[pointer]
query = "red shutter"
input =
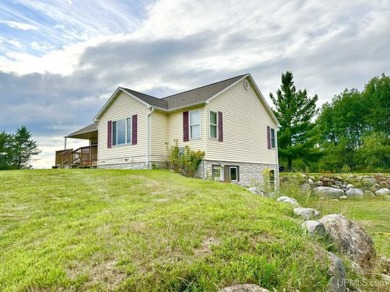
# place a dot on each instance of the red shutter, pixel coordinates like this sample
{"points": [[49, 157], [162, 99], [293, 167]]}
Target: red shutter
{"points": [[134, 129], [220, 127], [185, 127], [269, 137], [109, 134]]}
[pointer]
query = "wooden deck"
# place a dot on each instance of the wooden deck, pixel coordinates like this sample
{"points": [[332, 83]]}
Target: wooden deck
{"points": [[83, 157]]}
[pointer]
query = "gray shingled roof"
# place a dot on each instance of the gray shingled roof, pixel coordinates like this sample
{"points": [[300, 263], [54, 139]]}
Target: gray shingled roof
{"points": [[188, 98], [154, 101], [198, 95], [86, 131]]}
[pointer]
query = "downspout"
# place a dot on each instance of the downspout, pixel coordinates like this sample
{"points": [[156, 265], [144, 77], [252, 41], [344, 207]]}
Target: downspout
{"points": [[64, 143], [149, 135], [277, 159]]}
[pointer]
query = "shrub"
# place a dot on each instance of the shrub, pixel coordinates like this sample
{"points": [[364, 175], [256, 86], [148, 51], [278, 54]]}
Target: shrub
{"points": [[184, 160]]}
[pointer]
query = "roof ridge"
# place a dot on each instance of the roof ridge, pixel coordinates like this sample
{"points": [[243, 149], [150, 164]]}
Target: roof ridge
{"points": [[203, 86], [132, 90]]}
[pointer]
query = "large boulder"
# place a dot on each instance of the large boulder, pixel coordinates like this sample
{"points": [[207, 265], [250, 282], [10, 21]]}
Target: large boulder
{"points": [[368, 181], [328, 192], [285, 199], [243, 288], [383, 191], [306, 213], [350, 239], [355, 192], [337, 282], [314, 228]]}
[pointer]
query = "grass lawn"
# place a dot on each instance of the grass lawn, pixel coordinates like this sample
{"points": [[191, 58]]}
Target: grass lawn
{"points": [[147, 231]]}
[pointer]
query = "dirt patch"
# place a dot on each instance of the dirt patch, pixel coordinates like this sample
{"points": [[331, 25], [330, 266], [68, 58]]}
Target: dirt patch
{"points": [[205, 248]]}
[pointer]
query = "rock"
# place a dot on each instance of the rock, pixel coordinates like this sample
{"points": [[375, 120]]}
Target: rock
{"points": [[285, 199], [383, 191], [306, 213], [350, 239], [336, 186], [349, 186], [327, 181], [369, 194], [368, 181], [375, 187], [328, 192], [310, 181], [254, 190], [384, 184], [343, 198], [354, 192], [338, 182], [337, 282], [314, 228], [243, 288], [319, 183], [306, 187]]}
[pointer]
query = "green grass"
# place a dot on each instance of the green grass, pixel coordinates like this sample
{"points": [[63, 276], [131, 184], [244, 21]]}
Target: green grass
{"points": [[147, 231]]}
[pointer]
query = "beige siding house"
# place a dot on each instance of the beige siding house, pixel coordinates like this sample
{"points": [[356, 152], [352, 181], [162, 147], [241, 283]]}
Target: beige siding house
{"points": [[229, 120]]}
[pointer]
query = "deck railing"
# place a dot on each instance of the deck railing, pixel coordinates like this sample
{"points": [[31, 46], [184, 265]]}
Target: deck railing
{"points": [[81, 157]]}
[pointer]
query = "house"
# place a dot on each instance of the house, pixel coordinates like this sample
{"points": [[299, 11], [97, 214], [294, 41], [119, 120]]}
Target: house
{"points": [[229, 120]]}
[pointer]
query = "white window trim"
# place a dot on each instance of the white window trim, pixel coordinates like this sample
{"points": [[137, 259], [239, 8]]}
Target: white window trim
{"points": [[236, 180], [128, 131], [216, 125], [200, 124]]}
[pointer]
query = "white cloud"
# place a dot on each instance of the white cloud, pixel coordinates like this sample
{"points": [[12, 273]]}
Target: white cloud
{"points": [[19, 25]]}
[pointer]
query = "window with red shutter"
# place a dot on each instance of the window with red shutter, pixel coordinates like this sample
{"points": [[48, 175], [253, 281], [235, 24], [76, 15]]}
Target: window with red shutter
{"points": [[220, 126], [269, 137], [134, 130], [185, 127], [109, 134]]}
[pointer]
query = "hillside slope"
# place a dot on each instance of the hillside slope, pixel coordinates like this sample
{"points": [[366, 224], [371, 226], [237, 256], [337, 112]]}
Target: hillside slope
{"points": [[147, 231]]}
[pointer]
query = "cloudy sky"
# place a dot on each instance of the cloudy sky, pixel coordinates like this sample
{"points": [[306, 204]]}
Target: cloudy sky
{"points": [[61, 60]]}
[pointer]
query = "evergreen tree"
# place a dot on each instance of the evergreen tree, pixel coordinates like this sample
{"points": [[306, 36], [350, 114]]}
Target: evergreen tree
{"points": [[23, 148], [5, 150], [294, 111]]}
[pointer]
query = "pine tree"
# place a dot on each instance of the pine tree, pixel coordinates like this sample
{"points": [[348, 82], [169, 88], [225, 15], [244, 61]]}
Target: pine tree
{"points": [[294, 111], [23, 148]]}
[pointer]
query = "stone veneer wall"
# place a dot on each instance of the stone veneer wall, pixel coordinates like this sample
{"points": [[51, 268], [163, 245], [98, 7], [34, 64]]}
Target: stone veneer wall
{"points": [[247, 171], [134, 165]]}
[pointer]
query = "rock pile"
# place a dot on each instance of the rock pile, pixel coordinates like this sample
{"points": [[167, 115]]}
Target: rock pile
{"points": [[352, 186], [347, 236]]}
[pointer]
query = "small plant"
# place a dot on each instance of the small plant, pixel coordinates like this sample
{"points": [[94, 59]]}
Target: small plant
{"points": [[185, 161], [265, 185], [346, 168]]}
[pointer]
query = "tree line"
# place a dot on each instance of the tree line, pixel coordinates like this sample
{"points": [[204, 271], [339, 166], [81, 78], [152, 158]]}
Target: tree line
{"points": [[17, 150], [350, 133]]}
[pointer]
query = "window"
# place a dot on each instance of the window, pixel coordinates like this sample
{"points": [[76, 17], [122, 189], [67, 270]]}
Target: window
{"points": [[121, 132], [216, 125], [195, 124], [272, 138], [213, 125], [233, 173]]}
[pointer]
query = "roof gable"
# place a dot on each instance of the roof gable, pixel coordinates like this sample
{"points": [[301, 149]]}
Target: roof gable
{"points": [[199, 95]]}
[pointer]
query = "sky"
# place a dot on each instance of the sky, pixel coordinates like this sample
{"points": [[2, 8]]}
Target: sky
{"points": [[60, 61]]}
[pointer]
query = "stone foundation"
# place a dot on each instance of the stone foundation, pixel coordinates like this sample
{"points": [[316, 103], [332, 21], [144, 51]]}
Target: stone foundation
{"points": [[248, 172]]}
